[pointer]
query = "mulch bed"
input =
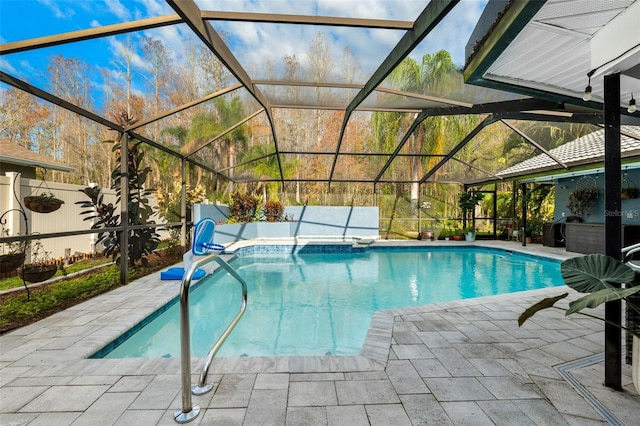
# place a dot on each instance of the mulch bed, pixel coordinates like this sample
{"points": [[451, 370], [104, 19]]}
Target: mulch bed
{"points": [[156, 263]]}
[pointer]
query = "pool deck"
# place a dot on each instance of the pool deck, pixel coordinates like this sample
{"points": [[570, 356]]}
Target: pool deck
{"points": [[454, 363]]}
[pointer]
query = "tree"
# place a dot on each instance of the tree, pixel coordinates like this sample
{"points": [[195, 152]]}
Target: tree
{"points": [[230, 113], [71, 80], [24, 119], [158, 62], [141, 241], [435, 75]]}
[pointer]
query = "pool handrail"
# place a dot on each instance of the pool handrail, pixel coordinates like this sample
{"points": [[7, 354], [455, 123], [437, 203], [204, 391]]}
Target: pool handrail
{"points": [[189, 411], [202, 387], [627, 254]]}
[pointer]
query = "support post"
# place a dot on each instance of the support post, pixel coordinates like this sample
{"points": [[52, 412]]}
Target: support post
{"points": [[124, 209], [183, 205], [523, 230], [465, 188], [419, 215], [495, 210], [612, 226]]}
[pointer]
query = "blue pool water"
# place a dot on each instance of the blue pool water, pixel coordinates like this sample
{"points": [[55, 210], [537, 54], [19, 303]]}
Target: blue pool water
{"points": [[313, 303]]}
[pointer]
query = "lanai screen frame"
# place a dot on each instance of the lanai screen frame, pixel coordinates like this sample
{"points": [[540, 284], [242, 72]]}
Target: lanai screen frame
{"points": [[187, 12]]}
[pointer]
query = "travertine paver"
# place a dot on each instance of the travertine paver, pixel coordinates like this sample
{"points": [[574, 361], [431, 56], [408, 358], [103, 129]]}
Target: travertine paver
{"points": [[272, 381], [505, 413], [466, 413], [306, 416], [349, 415], [139, 418], [387, 414], [312, 394], [13, 399], [233, 391], [64, 398], [458, 389], [366, 392], [158, 394], [224, 416], [267, 406], [107, 409], [405, 378], [455, 363]]}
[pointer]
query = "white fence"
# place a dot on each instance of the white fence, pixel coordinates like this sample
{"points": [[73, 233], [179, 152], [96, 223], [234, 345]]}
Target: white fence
{"points": [[65, 219]]}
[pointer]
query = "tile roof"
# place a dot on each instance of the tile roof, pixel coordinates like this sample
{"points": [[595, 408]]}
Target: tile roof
{"points": [[15, 154], [588, 149]]}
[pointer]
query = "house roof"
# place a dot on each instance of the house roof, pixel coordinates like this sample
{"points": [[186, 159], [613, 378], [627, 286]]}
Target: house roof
{"points": [[587, 150], [12, 153]]}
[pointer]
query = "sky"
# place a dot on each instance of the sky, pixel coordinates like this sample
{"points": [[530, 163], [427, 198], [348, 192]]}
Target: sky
{"points": [[250, 42]]}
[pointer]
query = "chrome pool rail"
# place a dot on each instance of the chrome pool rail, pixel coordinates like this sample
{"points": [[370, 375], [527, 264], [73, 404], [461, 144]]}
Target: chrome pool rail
{"points": [[189, 412], [627, 253]]}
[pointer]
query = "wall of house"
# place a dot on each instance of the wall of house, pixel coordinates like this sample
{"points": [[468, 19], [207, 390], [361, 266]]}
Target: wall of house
{"points": [[630, 211]]}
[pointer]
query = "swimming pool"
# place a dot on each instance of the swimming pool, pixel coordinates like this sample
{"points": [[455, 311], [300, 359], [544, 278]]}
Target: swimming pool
{"points": [[319, 300]]}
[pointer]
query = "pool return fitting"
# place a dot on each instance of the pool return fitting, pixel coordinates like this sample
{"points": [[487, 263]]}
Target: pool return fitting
{"points": [[203, 251]]}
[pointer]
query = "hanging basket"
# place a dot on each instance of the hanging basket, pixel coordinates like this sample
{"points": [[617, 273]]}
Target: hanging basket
{"points": [[44, 201], [11, 262], [42, 204], [38, 273], [629, 189]]}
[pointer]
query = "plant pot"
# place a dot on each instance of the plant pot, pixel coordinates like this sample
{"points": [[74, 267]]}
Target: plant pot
{"points": [[38, 273], [11, 262], [528, 240], [629, 193], [470, 236], [457, 238], [635, 363], [426, 235], [42, 204]]}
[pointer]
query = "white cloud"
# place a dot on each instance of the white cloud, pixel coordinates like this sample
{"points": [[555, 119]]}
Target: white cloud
{"points": [[156, 7], [118, 9], [6, 66], [122, 53], [253, 42], [59, 10]]}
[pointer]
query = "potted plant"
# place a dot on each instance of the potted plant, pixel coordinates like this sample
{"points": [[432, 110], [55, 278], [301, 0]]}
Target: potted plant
{"points": [[467, 201], [470, 233], [456, 235], [13, 254], [594, 275], [629, 189], [244, 208], [273, 211], [629, 193], [533, 231], [40, 268], [427, 235], [12, 259], [45, 202], [581, 200]]}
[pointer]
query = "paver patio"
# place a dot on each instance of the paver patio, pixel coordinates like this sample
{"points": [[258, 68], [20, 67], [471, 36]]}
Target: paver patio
{"points": [[463, 362]]}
